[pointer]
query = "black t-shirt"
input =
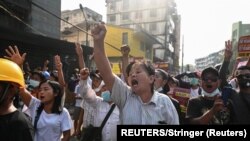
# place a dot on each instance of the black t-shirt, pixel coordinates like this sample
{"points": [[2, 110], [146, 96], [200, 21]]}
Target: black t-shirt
{"points": [[16, 127], [199, 105], [240, 107]]}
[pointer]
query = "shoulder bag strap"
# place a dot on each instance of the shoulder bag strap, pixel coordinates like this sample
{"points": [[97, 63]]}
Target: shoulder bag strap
{"points": [[38, 113], [107, 116]]}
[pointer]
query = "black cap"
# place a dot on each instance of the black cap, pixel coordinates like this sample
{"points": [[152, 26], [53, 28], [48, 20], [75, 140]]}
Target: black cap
{"points": [[209, 70], [95, 75]]}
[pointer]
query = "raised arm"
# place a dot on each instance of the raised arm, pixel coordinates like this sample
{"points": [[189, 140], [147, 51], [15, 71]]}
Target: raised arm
{"points": [[58, 65], [14, 55], [224, 67], [125, 60], [100, 57], [79, 53]]}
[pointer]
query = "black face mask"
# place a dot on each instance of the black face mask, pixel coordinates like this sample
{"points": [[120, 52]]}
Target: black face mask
{"points": [[244, 81]]}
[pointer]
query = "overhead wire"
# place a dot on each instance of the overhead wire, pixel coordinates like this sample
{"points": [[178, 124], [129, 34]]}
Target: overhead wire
{"points": [[69, 23], [43, 9]]}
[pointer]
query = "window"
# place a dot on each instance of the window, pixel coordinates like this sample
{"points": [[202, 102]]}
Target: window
{"points": [[125, 38], [125, 16], [153, 13], [112, 18]]}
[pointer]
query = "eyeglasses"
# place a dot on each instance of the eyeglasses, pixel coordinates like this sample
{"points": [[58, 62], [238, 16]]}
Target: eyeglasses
{"points": [[211, 79]]}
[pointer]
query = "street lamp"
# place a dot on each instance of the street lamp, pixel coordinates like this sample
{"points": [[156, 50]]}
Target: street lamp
{"points": [[86, 23]]}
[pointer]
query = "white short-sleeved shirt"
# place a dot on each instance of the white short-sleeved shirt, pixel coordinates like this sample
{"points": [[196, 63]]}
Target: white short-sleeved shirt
{"points": [[160, 109], [49, 126], [77, 93]]}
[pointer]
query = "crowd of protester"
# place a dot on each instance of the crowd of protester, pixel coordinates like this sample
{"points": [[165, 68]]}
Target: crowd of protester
{"points": [[32, 102]]}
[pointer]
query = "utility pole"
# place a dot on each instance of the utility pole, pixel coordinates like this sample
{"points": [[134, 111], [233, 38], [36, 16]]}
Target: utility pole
{"points": [[86, 21], [182, 58]]}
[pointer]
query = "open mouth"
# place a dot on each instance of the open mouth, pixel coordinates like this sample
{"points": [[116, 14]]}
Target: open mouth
{"points": [[209, 86], [134, 82], [41, 97]]}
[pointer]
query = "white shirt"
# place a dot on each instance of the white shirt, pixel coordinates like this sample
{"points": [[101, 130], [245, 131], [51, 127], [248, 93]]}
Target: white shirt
{"points": [[88, 116], [134, 111], [101, 109], [194, 92], [49, 126], [77, 94]]}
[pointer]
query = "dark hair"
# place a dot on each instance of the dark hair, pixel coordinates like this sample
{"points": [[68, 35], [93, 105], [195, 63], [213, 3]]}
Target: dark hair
{"points": [[95, 74], [209, 70], [128, 69], [165, 77], [163, 74], [244, 68], [39, 73], [57, 106]]}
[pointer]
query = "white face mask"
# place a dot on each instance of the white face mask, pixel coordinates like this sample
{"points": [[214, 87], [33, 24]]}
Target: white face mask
{"points": [[34, 83], [212, 94]]}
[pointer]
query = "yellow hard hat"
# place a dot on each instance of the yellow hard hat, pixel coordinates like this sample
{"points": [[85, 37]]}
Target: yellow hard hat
{"points": [[11, 72]]}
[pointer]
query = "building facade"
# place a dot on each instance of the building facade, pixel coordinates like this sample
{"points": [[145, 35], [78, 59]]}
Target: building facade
{"points": [[157, 18], [238, 30], [84, 18], [28, 16], [209, 61]]}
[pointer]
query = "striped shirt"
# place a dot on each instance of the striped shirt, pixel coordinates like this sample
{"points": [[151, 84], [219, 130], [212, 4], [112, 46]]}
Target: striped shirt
{"points": [[158, 110]]}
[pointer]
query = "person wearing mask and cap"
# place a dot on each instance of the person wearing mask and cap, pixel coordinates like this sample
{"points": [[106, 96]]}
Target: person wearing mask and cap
{"points": [[207, 108]]}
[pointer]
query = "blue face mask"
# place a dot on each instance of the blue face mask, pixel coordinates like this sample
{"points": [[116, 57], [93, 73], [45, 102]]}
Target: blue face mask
{"points": [[194, 81], [106, 96]]}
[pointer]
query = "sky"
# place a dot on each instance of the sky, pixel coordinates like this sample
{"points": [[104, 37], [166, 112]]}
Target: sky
{"points": [[205, 24]]}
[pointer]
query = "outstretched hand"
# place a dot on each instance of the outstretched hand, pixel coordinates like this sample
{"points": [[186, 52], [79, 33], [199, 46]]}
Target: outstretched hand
{"points": [[14, 55], [228, 50], [78, 49], [58, 63]]}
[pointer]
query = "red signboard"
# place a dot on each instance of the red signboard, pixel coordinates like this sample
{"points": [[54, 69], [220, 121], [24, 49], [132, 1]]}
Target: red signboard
{"points": [[244, 46], [182, 95]]}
